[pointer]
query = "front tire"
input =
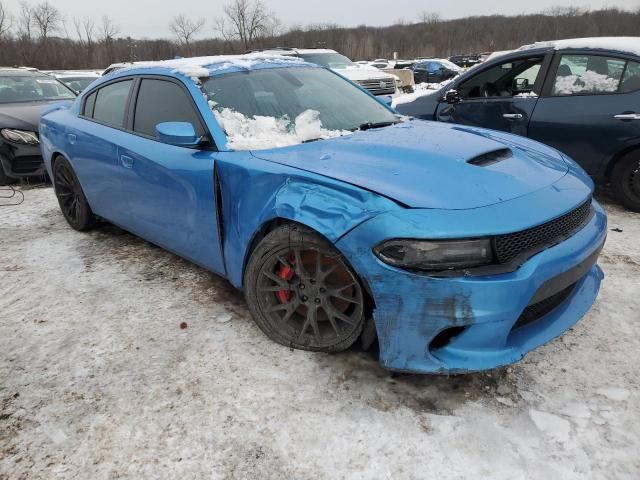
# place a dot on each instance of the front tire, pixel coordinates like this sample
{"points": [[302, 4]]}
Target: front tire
{"points": [[302, 292], [4, 178], [625, 180], [73, 203]]}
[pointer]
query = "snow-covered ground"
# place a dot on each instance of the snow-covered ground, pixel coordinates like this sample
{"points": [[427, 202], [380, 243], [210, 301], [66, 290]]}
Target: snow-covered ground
{"points": [[420, 90], [98, 380]]}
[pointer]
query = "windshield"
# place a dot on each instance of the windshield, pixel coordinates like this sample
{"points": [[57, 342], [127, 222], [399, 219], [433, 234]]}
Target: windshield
{"points": [[78, 84], [283, 106], [329, 60], [32, 88]]}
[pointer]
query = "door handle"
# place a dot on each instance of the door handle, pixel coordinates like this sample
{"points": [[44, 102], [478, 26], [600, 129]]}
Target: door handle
{"points": [[512, 116], [627, 116], [71, 138], [127, 162]]}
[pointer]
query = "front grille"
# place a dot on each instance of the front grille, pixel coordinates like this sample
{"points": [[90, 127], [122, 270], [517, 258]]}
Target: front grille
{"points": [[543, 307], [509, 246], [379, 87], [27, 164]]}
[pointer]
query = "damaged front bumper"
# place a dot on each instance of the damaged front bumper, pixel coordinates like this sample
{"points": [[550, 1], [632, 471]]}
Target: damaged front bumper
{"points": [[458, 324]]}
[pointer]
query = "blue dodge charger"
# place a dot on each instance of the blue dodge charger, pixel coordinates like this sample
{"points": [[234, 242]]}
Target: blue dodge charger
{"points": [[456, 248]]}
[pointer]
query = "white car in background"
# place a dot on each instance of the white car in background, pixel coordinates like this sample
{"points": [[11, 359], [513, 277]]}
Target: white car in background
{"points": [[76, 80], [370, 78]]}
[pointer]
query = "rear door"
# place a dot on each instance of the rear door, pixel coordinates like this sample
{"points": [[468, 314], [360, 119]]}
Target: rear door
{"points": [[169, 189], [590, 108], [500, 97], [93, 140]]}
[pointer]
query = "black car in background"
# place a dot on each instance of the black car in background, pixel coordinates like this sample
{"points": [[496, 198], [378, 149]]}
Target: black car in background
{"points": [[23, 94], [580, 96], [465, 61], [434, 71]]}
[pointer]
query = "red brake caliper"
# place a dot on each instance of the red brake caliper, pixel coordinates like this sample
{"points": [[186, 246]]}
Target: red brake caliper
{"points": [[286, 273]]}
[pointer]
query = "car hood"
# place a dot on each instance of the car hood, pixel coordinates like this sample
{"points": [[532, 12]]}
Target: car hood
{"points": [[425, 164], [356, 73], [23, 116]]}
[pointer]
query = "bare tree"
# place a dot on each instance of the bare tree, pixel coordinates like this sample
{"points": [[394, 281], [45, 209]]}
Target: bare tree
{"points": [[85, 29], [429, 17], [245, 21], [47, 19], [185, 29], [5, 21], [108, 29], [25, 20]]}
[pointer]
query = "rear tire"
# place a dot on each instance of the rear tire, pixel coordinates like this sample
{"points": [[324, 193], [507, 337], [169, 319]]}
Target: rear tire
{"points": [[625, 180], [71, 199], [302, 292]]}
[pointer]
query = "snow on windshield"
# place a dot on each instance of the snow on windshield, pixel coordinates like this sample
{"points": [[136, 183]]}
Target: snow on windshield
{"points": [[259, 133]]}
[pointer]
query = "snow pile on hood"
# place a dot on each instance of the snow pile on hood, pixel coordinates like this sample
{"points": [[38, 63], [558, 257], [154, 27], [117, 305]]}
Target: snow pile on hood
{"points": [[202, 67], [420, 90], [621, 44], [259, 133], [589, 81]]}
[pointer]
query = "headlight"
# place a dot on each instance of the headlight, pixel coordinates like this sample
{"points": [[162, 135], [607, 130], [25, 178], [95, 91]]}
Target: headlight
{"points": [[23, 137], [436, 255]]}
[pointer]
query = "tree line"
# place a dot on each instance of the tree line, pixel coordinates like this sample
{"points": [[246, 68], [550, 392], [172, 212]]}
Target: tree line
{"points": [[42, 36]]}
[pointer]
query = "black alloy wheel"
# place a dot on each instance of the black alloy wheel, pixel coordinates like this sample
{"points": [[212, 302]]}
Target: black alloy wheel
{"points": [[302, 292], [70, 196], [625, 181]]}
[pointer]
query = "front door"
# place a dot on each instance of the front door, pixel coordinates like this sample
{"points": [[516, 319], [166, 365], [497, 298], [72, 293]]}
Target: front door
{"points": [[170, 189], [501, 97]]}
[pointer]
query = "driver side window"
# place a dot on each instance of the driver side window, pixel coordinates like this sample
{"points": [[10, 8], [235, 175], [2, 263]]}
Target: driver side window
{"points": [[507, 79]]}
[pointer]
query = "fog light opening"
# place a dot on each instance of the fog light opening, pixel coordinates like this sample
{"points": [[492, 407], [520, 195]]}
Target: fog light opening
{"points": [[445, 337]]}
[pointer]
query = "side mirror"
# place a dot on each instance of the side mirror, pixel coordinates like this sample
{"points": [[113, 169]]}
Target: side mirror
{"points": [[181, 134], [386, 100], [520, 84], [452, 97]]}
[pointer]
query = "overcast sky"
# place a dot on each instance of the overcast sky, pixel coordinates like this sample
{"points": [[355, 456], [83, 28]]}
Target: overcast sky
{"points": [[150, 18]]}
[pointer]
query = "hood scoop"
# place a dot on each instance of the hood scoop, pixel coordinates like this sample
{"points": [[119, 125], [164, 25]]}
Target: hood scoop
{"points": [[490, 158]]}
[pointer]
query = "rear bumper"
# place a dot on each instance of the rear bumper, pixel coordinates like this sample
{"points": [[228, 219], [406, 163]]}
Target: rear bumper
{"points": [[463, 324], [21, 160]]}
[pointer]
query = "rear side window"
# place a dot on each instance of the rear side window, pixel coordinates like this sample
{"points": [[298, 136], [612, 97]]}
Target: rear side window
{"points": [[588, 75], [89, 104], [631, 78], [111, 103], [163, 101]]}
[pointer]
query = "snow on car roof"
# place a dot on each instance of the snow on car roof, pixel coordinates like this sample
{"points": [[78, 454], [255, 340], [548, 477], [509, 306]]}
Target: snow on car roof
{"points": [[295, 51], [619, 44], [199, 67]]}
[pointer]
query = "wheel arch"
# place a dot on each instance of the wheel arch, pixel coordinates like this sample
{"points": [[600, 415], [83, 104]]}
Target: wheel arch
{"points": [[257, 197], [54, 156], [617, 157], [369, 333]]}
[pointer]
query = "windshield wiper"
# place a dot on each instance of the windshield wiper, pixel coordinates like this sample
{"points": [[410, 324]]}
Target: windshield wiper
{"points": [[370, 125]]}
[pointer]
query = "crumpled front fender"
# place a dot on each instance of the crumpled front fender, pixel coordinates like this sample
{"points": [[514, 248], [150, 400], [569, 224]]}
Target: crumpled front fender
{"points": [[254, 192]]}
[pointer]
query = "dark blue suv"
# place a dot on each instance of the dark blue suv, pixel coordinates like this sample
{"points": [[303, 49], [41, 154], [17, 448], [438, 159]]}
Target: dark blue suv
{"points": [[580, 96], [435, 71]]}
